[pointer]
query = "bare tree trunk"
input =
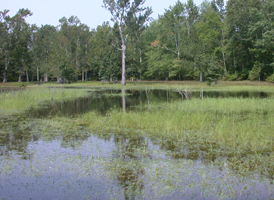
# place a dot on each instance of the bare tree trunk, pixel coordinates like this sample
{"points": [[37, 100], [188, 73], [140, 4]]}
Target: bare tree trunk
{"points": [[20, 75], [5, 72], [123, 58], [27, 76], [123, 64], [37, 71], [86, 75], [46, 76], [141, 64], [225, 70], [83, 76], [201, 74], [20, 78], [5, 77]]}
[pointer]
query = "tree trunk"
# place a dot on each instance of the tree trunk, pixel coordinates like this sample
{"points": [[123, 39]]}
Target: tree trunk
{"points": [[37, 71], [201, 75], [5, 77], [5, 72], [59, 80], [83, 75], [123, 64], [141, 64], [20, 75], [86, 75], [225, 70], [20, 78], [123, 58], [46, 76], [27, 76]]}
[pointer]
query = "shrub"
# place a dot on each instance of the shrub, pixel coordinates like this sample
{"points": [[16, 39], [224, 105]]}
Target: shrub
{"points": [[254, 74], [270, 79], [231, 77]]}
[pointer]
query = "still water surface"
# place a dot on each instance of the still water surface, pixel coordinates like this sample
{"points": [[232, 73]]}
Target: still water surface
{"points": [[90, 165], [102, 101]]}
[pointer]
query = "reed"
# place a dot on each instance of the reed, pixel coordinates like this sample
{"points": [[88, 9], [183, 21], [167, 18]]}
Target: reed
{"points": [[237, 129], [20, 100]]}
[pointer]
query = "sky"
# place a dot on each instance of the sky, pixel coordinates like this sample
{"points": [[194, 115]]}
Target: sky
{"points": [[90, 12]]}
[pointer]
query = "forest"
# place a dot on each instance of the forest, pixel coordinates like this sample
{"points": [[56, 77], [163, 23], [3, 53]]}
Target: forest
{"points": [[207, 42]]}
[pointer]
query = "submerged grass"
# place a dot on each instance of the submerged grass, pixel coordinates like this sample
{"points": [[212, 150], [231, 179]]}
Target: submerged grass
{"points": [[240, 130], [155, 150]]}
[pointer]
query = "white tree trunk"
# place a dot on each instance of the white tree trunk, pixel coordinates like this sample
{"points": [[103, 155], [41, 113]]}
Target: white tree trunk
{"points": [[123, 57], [123, 64]]}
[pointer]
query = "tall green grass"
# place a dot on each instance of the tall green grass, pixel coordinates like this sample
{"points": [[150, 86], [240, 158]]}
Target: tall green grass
{"points": [[229, 121], [191, 85], [238, 129], [22, 99]]}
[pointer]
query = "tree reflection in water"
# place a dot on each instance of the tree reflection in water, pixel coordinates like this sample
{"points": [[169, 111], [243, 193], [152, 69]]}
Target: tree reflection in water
{"points": [[126, 163]]}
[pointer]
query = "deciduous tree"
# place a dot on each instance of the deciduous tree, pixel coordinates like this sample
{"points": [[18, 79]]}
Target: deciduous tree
{"points": [[123, 12]]}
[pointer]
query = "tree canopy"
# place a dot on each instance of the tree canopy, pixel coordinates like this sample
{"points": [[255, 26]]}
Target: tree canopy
{"points": [[209, 42]]}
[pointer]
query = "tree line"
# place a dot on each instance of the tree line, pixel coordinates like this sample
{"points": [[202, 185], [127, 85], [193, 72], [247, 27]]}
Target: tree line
{"points": [[209, 42]]}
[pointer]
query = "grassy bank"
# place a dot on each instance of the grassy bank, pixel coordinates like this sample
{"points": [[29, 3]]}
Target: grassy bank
{"points": [[19, 100], [194, 85]]}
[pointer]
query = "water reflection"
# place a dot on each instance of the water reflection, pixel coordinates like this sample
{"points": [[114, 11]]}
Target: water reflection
{"points": [[124, 100], [103, 101], [127, 165], [14, 136], [119, 165], [123, 166]]}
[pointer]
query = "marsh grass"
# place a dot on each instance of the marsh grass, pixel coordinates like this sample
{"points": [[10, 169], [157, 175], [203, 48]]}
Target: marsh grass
{"points": [[234, 135], [240, 130], [195, 85], [20, 100]]}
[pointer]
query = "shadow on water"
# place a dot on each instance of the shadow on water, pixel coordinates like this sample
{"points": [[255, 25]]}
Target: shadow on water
{"points": [[103, 101]]}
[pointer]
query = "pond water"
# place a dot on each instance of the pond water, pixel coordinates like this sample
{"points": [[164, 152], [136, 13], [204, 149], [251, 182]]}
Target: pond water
{"points": [[87, 165], [102, 101]]}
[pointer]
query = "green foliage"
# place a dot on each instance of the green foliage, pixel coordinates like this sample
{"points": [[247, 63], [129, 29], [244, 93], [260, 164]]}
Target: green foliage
{"points": [[254, 74], [231, 77], [180, 44], [214, 72], [270, 79], [158, 64], [18, 101]]}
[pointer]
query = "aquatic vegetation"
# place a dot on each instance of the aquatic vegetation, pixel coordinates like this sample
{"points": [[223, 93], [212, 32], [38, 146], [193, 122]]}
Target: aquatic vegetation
{"points": [[231, 128], [217, 147], [25, 98]]}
